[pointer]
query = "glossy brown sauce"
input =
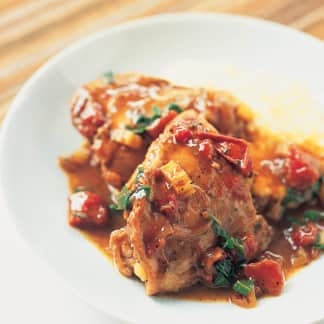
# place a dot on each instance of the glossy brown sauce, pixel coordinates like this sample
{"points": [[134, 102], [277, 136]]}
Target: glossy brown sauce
{"points": [[90, 178]]}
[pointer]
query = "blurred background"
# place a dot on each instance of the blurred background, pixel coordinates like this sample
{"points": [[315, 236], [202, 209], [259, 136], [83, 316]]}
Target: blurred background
{"points": [[34, 30]]}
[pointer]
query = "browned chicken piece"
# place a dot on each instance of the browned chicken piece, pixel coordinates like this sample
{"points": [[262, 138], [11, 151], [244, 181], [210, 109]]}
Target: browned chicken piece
{"points": [[120, 118], [193, 185]]}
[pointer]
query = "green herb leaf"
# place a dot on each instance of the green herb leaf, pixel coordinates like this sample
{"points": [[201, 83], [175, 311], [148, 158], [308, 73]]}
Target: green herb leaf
{"points": [[141, 192], [225, 267], [157, 113], [143, 122], [299, 197], [315, 188], [79, 189], [123, 198], [293, 196], [219, 231], [229, 242], [221, 281], [109, 76], [123, 202], [313, 215], [140, 173], [80, 215], [224, 274], [113, 207], [126, 197], [137, 130], [243, 287], [175, 107], [226, 270], [318, 244]]}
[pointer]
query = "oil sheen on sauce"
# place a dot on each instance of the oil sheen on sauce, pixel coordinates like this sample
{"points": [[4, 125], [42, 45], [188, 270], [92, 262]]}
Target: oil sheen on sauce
{"points": [[89, 178]]}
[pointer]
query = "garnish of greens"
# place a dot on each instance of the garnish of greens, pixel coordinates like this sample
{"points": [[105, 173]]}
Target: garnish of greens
{"points": [[143, 122], [227, 270], [309, 216], [225, 274], [299, 197], [318, 244], [80, 215], [109, 77], [140, 173], [126, 197], [79, 189], [243, 287], [123, 200], [175, 107], [228, 242], [312, 216]]}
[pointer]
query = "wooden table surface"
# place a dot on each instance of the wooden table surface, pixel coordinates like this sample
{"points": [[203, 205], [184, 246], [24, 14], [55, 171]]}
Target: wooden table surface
{"points": [[32, 31]]}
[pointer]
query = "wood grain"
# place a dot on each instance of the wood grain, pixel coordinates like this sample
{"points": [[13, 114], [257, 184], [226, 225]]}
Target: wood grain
{"points": [[34, 30]]}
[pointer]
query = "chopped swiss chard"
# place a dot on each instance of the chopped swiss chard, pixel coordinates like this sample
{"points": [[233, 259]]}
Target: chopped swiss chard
{"points": [[243, 287], [109, 77]]}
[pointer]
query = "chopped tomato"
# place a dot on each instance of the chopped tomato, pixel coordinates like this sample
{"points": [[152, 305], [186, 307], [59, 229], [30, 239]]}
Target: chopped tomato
{"points": [[182, 134], [206, 149], [267, 274], [250, 245], [158, 125], [300, 173], [92, 119], [305, 235], [87, 116], [87, 209], [233, 149]]}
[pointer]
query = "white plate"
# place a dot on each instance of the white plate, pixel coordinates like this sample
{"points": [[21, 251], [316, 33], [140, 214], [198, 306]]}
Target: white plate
{"points": [[37, 130]]}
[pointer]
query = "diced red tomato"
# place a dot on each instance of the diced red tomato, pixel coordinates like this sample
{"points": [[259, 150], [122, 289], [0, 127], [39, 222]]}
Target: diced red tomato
{"points": [[87, 209], [158, 125], [300, 173], [182, 134], [91, 118], [267, 274], [87, 116], [206, 149], [305, 235], [250, 245], [233, 149]]}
